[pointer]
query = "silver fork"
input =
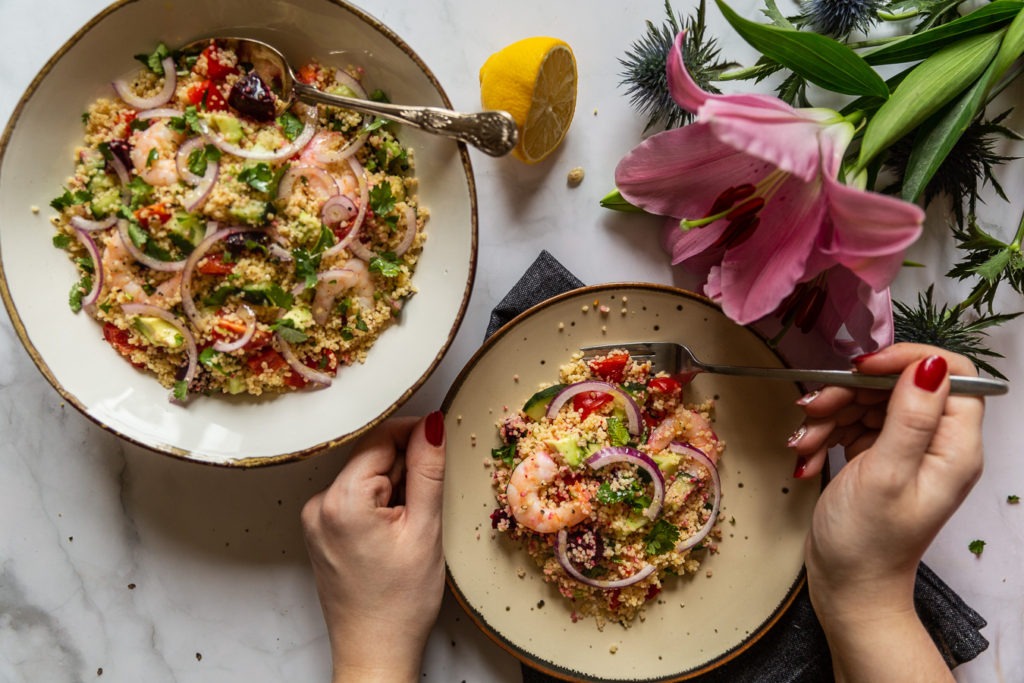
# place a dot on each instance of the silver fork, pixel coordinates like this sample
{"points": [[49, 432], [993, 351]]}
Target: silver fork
{"points": [[676, 358]]}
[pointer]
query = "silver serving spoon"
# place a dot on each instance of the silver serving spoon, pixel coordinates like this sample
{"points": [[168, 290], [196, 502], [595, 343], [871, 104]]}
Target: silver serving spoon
{"points": [[492, 132]]}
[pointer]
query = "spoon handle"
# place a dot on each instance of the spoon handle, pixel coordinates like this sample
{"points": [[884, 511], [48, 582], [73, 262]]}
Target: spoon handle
{"points": [[492, 132]]}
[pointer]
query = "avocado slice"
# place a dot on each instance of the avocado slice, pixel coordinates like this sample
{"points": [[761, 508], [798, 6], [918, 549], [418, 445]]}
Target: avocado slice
{"points": [[569, 449], [227, 125], [158, 332]]}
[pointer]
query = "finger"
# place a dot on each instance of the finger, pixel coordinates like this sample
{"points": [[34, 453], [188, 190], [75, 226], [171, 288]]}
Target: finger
{"points": [[424, 477], [915, 409], [366, 479], [893, 359], [861, 444]]}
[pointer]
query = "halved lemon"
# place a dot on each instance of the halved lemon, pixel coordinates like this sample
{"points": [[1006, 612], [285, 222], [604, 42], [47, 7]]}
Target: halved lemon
{"points": [[534, 80]]}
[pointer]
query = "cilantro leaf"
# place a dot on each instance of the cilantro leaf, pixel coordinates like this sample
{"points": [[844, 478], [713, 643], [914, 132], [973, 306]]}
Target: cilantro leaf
{"points": [[360, 325], [141, 192], [976, 546], [151, 157], [286, 328], [386, 264], [290, 124], [188, 121], [199, 159], [208, 357], [62, 241], [1013, 499], [617, 432], [662, 538], [379, 95], [609, 496], [78, 291]]}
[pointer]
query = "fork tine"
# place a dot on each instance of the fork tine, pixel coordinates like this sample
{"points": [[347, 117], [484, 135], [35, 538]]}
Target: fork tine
{"points": [[662, 355]]}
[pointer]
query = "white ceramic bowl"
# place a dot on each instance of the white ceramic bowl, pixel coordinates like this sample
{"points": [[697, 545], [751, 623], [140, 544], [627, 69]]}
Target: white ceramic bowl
{"points": [[35, 278]]}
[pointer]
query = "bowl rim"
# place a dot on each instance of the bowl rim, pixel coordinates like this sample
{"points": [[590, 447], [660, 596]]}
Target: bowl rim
{"points": [[480, 620], [293, 456]]}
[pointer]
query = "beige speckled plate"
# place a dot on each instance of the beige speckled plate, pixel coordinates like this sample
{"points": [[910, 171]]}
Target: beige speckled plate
{"points": [[36, 157], [697, 623]]}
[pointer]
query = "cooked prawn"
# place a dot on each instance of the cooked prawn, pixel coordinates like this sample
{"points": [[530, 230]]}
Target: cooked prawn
{"points": [[690, 426], [153, 153], [117, 264], [536, 472], [352, 276]]}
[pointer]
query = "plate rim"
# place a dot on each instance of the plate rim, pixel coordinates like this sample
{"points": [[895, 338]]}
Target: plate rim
{"points": [[291, 456], [528, 658]]}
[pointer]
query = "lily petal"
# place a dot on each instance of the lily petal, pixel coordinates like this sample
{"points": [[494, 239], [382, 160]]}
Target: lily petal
{"points": [[759, 273], [870, 232], [680, 172], [688, 94], [864, 313]]}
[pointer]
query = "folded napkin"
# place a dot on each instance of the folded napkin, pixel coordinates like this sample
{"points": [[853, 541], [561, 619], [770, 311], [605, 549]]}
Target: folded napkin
{"points": [[794, 650]]}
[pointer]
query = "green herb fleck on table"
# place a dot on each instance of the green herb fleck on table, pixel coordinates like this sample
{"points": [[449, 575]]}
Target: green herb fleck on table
{"points": [[1013, 499], [976, 546]]}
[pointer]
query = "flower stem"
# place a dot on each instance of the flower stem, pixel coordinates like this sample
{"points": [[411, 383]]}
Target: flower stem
{"points": [[889, 16], [743, 74], [873, 42]]}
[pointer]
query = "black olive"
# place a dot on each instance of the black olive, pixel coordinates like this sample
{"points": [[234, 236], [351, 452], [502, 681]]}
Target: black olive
{"points": [[251, 96], [122, 150], [239, 241]]}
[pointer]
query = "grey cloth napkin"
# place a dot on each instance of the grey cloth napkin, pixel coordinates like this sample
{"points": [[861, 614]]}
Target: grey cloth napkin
{"points": [[794, 650]]}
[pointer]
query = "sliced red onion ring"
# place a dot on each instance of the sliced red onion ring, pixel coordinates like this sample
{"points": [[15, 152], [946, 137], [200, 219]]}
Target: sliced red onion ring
{"points": [[612, 455], [716, 489], [410, 231], [279, 252], [159, 113], [190, 341], [187, 303], [196, 197], [124, 89], [337, 210], [86, 225], [249, 317], [143, 258], [122, 176], [89, 300], [621, 396], [309, 116], [312, 174], [331, 156], [346, 79], [562, 551], [364, 198], [306, 372]]}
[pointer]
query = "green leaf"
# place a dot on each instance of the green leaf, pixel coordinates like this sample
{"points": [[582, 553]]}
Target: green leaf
{"points": [[385, 264], [922, 45], [291, 125], [258, 177], [919, 95], [62, 241], [616, 202], [381, 200], [505, 453], [939, 134], [1011, 48], [306, 266], [661, 538], [70, 198], [820, 59], [286, 328], [617, 432], [1013, 499], [181, 390], [976, 546], [153, 60]]}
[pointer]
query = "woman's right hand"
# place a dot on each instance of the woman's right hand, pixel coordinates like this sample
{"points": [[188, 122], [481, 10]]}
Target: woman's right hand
{"points": [[913, 455]]}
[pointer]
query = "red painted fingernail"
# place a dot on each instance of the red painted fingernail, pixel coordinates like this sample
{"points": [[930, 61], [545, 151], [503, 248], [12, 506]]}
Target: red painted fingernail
{"points": [[930, 373], [857, 360], [434, 428], [801, 467]]}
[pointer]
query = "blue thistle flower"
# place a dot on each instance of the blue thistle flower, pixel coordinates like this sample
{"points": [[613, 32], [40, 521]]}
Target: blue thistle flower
{"points": [[838, 18]]}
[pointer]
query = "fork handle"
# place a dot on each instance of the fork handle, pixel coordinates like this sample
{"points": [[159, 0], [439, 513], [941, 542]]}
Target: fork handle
{"points": [[968, 386]]}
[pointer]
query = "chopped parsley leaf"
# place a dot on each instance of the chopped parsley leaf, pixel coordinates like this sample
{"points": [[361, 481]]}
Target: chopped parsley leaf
{"points": [[1013, 500], [151, 157], [661, 538], [62, 241], [259, 177], [379, 95], [306, 266], [79, 290], [286, 328], [381, 200], [386, 264], [505, 453], [85, 118], [976, 546], [153, 61], [141, 192], [290, 124], [70, 198], [200, 157], [376, 124], [617, 432], [208, 357], [181, 390]]}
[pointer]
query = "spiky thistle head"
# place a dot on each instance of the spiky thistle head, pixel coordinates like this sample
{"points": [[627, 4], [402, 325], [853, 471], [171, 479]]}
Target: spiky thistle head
{"points": [[644, 75], [967, 167], [948, 329], [839, 18]]}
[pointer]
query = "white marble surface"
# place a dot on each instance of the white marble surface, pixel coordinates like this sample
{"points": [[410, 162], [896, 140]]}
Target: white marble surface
{"points": [[117, 564]]}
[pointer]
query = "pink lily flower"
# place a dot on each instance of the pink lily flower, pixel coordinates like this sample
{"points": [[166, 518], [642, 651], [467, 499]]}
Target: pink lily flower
{"points": [[753, 194]]}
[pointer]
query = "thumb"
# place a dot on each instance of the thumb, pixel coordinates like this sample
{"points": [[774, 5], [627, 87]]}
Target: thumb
{"points": [[424, 461], [915, 409]]}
